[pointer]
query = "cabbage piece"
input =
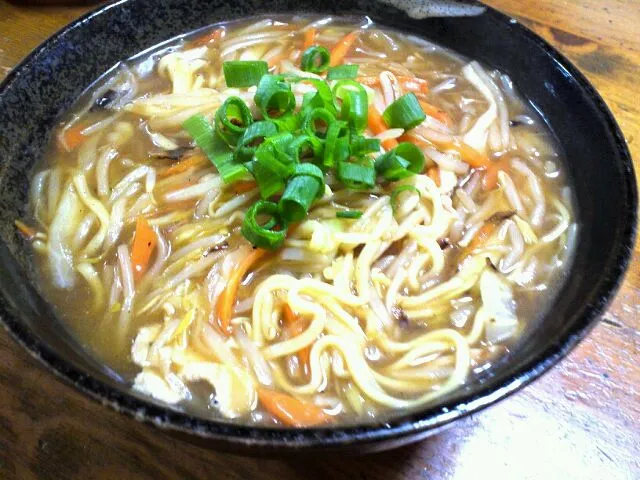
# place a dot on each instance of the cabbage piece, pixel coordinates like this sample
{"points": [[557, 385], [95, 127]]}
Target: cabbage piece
{"points": [[500, 307], [170, 390], [234, 390]]}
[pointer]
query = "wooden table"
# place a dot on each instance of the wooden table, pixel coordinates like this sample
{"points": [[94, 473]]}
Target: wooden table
{"points": [[581, 421]]}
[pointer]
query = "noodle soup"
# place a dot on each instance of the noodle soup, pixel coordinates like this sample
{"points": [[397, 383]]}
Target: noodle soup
{"points": [[300, 221]]}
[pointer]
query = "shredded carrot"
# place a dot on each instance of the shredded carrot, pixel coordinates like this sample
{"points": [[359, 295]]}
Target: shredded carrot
{"points": [[480, 238], [408, 84], [468, 154], [413, 84], [377, 126], [244, 186], [291, 411], [435, 112], [227, 299], [184, 165], [27, 232], [144, 242], [434, 174], [490, 180], [310, 35], [72, 137], [295, 326], [341, 48], [208, 38]]}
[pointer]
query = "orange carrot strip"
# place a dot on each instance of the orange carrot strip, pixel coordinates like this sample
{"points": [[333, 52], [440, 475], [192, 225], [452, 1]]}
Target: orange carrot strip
{"points": [[72, 137], [207, 38], [377, 125], [227, 299], [144, 242], [409, 84], [468, 154], [244, 186], [183, 165], [310, 35], [413, 84], [490, 180], [26, 231], [435, 112], [480, 238], [434, 174], [341, 48], [295, 326], [291, 411]]}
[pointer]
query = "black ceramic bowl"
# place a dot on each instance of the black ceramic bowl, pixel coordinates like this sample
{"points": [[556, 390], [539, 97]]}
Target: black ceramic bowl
{"points": [[47, 82]]}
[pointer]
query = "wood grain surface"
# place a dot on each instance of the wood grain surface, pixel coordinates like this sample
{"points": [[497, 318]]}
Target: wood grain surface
{"points": [[581, 421]]}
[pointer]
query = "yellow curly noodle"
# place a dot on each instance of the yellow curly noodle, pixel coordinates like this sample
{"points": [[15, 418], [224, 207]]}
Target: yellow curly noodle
{"points": [[400, 307]]}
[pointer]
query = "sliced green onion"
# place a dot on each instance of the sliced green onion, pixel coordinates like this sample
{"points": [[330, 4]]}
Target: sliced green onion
{"points": [[232, 119], [317, 115], [287, 122], [253, 136], [357, 176], [342, 71], [396, 193], [270, 168], [304, 147], [313, 171], [241, 74], [264, 236], [405, 112], [401, 162], [280, 141], [337, 130], [274, 97], [214, 148], [355, 106], [362, 145], [321, 98], [315, 59], [349, 214], [306, 185]]}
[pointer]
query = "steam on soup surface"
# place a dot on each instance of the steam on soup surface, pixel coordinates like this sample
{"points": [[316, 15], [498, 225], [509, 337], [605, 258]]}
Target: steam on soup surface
{"points": [[281, 241]]}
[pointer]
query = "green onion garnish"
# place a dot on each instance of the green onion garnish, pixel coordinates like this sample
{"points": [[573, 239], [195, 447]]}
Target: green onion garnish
{"points": [[232, 119], [253, 136], [396, 193], [361, 145], [270, 167], [304, 147], [337, 130], [241, 74], [401, 162], [322, 98], [357, 176], [263, 235], [214, 148], [405, 112], [355, 107], [274, 97], [315, 59], [349, 214], [305, 186], [316, 122], [342, 71]]}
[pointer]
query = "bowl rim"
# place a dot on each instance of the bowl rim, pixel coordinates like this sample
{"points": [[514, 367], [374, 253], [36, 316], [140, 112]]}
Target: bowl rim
{"points": [[424, 421]]}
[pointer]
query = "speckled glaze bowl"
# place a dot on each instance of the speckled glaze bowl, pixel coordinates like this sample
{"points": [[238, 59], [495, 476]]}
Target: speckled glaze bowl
{"points": [[46, 83]]}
